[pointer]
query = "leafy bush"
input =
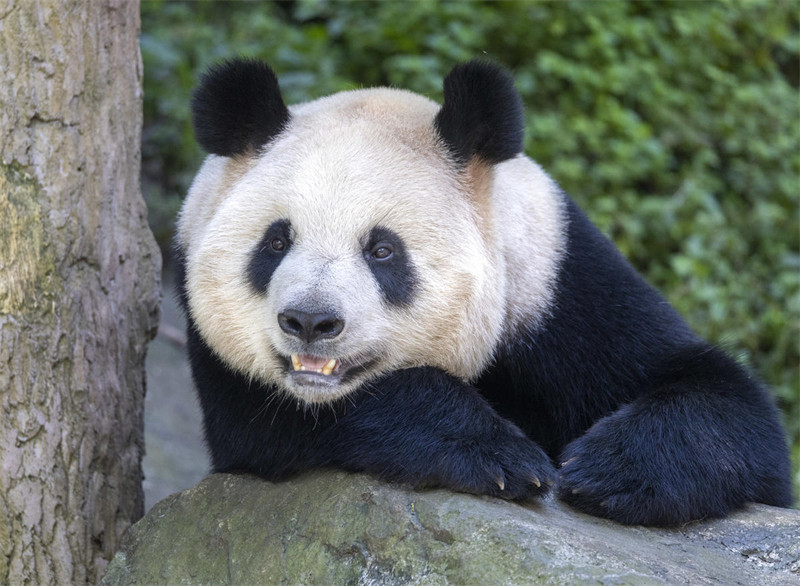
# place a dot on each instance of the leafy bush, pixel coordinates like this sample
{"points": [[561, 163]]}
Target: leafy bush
{"points": [[674, 124]]}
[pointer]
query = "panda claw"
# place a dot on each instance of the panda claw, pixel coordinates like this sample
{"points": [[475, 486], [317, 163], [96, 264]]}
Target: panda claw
{"points": [[568, 462], [535, 480], [500, 482]]}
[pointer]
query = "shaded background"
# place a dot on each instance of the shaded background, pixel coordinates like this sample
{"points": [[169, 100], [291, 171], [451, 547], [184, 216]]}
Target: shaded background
{"points": [[675, 125]]}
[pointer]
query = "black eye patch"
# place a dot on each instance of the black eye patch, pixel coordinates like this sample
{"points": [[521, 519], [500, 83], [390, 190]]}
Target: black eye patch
{"points": [[388, 260], [269, 253]]}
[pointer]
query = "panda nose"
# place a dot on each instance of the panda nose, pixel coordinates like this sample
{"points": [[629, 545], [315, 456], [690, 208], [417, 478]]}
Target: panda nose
{"points": [[310, 327]]}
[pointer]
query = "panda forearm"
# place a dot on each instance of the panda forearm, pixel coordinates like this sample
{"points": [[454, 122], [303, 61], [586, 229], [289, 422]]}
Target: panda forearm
{"points": [[701, 442], [419, 426], [423, 427]]}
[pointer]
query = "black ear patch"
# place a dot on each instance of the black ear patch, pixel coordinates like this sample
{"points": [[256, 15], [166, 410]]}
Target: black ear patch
{"points": [[482, 113], [237, 107]]}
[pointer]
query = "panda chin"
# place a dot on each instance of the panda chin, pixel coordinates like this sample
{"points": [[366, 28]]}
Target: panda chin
{"points": [[313, 379]]}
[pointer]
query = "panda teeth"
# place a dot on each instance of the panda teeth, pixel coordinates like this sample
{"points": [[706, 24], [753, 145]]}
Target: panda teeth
{"points": [[326, 370], [296, 362], [329, 366]]}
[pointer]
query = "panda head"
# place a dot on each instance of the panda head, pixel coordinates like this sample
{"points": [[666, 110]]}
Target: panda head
{"points": [[336, 240]]}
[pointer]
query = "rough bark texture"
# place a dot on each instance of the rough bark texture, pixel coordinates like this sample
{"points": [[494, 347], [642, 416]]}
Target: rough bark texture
{"points": [[337, 528], [78, 286]]}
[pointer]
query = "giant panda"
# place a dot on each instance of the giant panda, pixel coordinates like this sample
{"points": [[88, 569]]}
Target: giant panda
{"points": [[378, 283]]}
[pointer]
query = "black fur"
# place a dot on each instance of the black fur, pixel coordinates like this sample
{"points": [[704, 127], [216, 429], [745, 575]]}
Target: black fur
{"points": [[701, 442], [395, 275], [265, 258], [237, 107], [652, 424], [482, 114]]}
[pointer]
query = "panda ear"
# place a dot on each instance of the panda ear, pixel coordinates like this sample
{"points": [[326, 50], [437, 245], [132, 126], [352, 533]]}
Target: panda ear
{"points": [[482, 113], [237, 107]]}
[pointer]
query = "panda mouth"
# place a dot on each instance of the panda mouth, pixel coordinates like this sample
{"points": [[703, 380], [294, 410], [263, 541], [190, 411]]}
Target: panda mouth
{"points": [[313, 364], [305, 369]]}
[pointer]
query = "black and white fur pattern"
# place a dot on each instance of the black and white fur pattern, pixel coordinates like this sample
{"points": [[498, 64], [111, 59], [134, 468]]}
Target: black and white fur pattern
{"points": [[378, 283]]}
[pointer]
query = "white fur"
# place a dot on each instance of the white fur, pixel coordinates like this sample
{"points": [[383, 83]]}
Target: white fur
{"points": [[529, 212], [345, 164]]}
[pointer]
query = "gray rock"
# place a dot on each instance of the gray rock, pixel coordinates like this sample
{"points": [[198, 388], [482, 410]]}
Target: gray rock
{"points": [[337, 528]]}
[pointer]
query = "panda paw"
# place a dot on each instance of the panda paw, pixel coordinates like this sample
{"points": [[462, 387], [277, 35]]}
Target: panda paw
{"points": [[601, 487], [506, 465], [632, 479]]}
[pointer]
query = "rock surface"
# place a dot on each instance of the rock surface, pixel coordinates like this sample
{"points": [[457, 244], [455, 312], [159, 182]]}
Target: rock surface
{"points": [[337, 528]]}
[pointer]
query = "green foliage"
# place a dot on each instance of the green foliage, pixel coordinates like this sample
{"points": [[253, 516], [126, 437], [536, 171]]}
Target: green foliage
{"points": [[674, 124]]}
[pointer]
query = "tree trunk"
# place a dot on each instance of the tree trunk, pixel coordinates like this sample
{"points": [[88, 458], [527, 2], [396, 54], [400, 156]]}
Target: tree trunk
{"points": [[78, 286]]}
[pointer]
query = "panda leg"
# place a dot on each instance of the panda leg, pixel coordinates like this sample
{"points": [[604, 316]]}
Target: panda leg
{"points": [[422, 427], [702, 443]]}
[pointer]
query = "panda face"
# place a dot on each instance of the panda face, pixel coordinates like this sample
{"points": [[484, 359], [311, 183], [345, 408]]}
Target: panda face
{"points": [[348, 247]]}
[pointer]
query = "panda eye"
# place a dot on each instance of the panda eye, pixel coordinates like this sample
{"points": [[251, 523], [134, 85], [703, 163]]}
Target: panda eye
{"points": [[278, 244], [382, 251]]}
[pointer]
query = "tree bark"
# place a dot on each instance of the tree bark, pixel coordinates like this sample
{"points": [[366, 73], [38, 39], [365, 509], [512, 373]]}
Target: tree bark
{"points": [[79, 288]]}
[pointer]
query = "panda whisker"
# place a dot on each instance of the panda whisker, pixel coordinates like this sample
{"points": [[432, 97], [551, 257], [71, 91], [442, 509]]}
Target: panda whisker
{"points": [[367, 389], [284, 397], [267, 403], [260, 411], [264, 406], [313, 409], [333, 406]]}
